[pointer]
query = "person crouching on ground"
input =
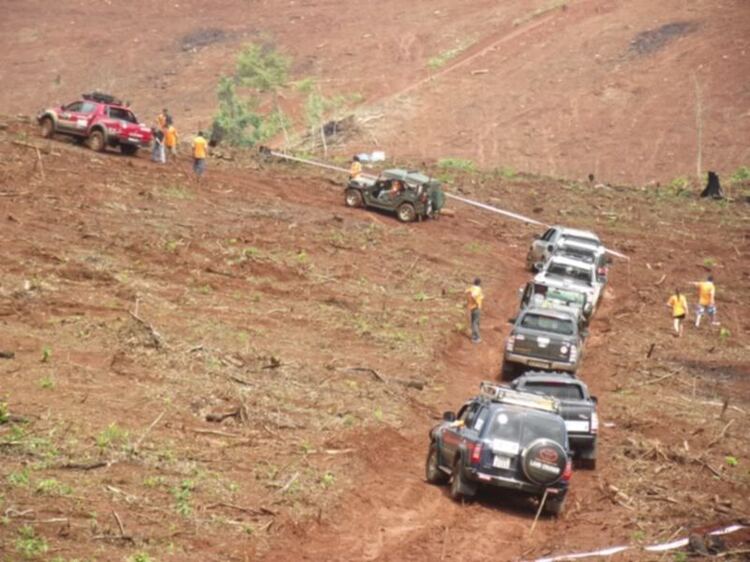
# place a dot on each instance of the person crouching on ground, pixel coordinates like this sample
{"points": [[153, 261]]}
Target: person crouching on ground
{"points": [[678, 303], [200, 149], [474, 297]]}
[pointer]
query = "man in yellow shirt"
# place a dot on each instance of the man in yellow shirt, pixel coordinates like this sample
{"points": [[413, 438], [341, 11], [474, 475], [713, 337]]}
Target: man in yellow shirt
{"points": [[706, 301], [356, 169], [200, 150], [474, 298], [678, 303]]}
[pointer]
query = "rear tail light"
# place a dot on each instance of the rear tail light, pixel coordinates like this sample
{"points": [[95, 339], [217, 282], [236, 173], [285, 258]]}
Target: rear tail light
{"points": [[476, 453], [568, 472], [509, 343], [594, 423]]}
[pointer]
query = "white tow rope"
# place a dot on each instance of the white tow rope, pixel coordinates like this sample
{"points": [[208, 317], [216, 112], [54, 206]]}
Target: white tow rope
{"points": [[471, 202], [652, 548]]}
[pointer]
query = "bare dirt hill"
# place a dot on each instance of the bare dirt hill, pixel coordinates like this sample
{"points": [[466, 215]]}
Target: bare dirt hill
{"points": [[620, 90]]}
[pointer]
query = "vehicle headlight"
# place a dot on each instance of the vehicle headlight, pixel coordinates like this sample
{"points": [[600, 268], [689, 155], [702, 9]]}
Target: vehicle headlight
{"points": [[112, 130], [564, 349]]}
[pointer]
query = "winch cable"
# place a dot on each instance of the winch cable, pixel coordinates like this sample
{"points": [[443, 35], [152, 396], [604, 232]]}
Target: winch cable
{"points": [[464, 200]]}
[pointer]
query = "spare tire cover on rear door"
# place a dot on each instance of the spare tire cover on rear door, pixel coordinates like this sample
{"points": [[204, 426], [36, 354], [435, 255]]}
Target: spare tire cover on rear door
{"points": [[544, 461]]}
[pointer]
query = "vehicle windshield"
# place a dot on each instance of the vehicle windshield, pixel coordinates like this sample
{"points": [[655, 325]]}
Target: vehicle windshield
{"points": [[525, 427], [560, 391], [570, 272], [567, 297], [122, 114], [551, 324], [581, 239]]}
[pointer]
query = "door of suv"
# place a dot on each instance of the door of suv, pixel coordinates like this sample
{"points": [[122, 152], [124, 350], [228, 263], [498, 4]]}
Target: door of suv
{"points": [[67, 119], [539, 247], [457, 433]]}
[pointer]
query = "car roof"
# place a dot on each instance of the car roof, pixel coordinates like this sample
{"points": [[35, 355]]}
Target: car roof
{"points": [[552, 376], [552, 312], [577, 232], [409, 176], [564, 260], [576, 245]]}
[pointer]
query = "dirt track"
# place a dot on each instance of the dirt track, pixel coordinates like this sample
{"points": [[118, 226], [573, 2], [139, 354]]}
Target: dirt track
{"points": [[263, 288]]}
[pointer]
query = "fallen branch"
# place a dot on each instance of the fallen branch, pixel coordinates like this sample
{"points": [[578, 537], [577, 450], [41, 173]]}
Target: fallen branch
{"points": [[219, 433], [661, 280], [721, 435], [289, 483], [252, 511], [86, 466], [155, 336], [657, 379], [148, 430], [373, 372]]}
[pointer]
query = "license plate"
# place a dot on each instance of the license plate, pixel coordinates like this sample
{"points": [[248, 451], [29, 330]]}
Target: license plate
{"points": [[134, 139], [540, 364], [501, 462], [578, 426]]}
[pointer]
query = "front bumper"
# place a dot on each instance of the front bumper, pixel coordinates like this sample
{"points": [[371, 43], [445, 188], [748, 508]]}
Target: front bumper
{"points": [[546, 364]]}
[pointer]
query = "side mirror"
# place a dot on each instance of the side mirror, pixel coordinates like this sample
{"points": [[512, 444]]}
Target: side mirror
{"points": [[511, 320], [550, 247], [520, 291], [537, 237], [594, 399], [449, 416], [584, 333]]}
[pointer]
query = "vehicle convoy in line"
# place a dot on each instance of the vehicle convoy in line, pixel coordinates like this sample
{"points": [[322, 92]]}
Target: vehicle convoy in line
{"points": [[587, 253], [503, 438], [566, 273], [577, 408], [542, 338], [100, 120], [544, 245], [410, 194], [568, 300]]}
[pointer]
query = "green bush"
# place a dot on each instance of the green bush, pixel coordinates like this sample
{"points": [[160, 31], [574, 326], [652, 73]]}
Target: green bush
{"points": [[456, 164]]}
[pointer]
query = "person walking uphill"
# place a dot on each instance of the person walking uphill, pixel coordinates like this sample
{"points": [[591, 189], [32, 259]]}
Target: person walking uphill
{"points": [[475, 296], [200, 149], [706, 301], [678, 303]]}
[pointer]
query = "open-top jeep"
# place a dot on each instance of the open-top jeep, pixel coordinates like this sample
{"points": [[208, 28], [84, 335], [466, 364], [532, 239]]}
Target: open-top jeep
{"points": [[411, 195], [503, 438]]}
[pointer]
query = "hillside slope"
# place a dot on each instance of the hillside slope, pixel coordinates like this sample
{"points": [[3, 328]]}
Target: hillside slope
{"points": [[620, 90]]}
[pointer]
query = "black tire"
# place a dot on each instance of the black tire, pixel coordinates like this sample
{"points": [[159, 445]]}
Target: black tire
{"points": [[47, 127], [406, 212], [353, 198], [432, 471], [460, 488], [508, 371], [128, 149], [96, 141], [554, 506]]}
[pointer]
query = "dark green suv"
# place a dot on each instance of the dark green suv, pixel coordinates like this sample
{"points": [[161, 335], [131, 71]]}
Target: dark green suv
{"points": [[411, 195]]}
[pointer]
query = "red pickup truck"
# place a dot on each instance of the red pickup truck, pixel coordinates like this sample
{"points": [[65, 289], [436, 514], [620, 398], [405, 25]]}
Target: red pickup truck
{"points": [[100, 120]]}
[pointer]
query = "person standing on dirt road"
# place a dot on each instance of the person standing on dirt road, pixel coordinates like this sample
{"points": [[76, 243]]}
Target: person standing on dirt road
{"points": [[706, 301], [200, 150], [356, 169], [170, 140], [474, 298], [157, 151], [678, 303]]}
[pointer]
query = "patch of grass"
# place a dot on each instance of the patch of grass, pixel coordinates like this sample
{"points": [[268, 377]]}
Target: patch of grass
{"points": [[505, 172], [111, 436], [153, 481], [4, 413], [475, 247], [554, 5], [47, 382], [182, 495], [328, 479], [460, 164], [28, 544], [140, 557], [709, 263], [46, 354], [731, 461], [740, 174], [176, 191], [19, 479], [52, 487], [440, 60], [724, 334]]}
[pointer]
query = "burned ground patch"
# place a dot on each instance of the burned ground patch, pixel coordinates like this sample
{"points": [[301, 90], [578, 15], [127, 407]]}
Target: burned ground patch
{"points": [[649, 41]]}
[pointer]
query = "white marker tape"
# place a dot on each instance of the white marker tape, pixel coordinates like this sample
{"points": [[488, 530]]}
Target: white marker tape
{"points": [[652, 548], [471, 202]]}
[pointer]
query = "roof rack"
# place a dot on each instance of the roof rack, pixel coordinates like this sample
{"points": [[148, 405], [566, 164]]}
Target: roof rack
{"points": [[101, 98], [506, 395]]}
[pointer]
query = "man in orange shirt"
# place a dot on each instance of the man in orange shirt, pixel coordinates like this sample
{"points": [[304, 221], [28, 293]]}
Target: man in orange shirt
{"points": [[474, 298], [678, 303], [200, 151], [706, 301], [356, 169], [170, 140]]}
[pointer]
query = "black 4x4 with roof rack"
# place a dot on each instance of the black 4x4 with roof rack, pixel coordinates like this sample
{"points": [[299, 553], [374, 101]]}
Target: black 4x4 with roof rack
{"points": [[503, 438]]}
